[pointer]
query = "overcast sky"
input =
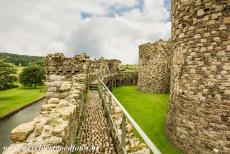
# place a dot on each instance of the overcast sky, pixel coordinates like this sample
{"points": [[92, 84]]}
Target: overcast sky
{"points": [[108, 28]]}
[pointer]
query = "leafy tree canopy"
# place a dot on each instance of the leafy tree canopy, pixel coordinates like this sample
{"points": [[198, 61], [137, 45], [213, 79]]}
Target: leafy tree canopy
{"points": [[7, 75], [32, 75]]}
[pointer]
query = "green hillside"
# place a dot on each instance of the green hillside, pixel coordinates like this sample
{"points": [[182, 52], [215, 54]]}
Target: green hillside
{"points": [[21, 60]]}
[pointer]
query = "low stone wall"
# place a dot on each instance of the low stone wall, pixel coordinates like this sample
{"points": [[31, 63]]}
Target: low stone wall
{"points": [[154, 67]]}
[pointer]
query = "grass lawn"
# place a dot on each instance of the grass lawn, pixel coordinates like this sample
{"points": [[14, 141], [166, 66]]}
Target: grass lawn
{"points": [[15, 98], [149, 111]]}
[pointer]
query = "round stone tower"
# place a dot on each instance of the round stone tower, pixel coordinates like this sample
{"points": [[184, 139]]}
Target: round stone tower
{"points": [[198, 118], [154, 67]]}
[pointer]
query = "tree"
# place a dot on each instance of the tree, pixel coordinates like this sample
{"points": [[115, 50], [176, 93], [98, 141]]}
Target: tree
{"points": [[32, 75], [7, 75]]}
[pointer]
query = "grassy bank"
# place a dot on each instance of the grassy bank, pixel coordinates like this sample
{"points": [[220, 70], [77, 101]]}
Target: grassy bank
{"points": [[149, 111], [15, 98]]}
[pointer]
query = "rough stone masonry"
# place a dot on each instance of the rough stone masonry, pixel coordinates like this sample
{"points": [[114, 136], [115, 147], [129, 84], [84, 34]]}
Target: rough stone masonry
{"points": [[199, 110], [58, 121], [154, 67]]}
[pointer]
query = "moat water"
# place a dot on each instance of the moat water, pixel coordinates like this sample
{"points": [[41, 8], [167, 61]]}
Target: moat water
{"points": [[9, 123]]}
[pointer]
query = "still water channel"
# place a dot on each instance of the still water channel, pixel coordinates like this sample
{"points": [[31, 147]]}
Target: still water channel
{"points": [[9, 123]]}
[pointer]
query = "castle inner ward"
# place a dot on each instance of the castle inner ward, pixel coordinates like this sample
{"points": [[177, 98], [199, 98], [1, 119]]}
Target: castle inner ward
{"points": [[194, 66]]}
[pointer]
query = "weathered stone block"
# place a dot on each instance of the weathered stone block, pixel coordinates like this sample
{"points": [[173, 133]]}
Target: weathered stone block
{"points": [[228, 47], [55, 77], [200, 12], [59, 130], [65, 86], [20, 133], [227, 20], [53, 101]]}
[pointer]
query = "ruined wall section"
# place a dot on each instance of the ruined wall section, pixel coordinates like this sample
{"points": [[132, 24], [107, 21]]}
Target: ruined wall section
{"points": [[59, 64], [154, 67], [58, 121], [106, 66], [103, 67], [125, 79], [65, 68], [199, 116]]}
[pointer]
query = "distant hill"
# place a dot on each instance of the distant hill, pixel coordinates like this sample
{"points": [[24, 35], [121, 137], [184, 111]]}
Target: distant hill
{"points": [[21, 60]]}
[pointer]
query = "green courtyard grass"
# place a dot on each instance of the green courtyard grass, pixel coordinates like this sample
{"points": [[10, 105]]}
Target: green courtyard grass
{"points": [[149, 111], [13, 99]]}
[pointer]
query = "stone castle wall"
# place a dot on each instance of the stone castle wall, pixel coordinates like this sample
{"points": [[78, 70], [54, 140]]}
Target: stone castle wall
{"points": [[125, 79], [199, 109], [67, 82], [102, 67], [154, 67], [59, 119], [109, 70], [59, 64]]}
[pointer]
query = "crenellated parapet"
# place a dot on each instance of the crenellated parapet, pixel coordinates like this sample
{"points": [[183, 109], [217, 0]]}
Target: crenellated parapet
{"points": [[59, 64], [102, 67], [106, 66]]}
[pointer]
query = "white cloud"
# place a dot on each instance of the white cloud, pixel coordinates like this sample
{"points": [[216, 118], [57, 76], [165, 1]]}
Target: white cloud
{"points": [[40, 27]]}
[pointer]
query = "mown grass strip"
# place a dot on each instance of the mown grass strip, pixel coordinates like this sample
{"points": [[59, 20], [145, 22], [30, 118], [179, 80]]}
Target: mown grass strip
{"points": [[13, 99], [149, 111]]}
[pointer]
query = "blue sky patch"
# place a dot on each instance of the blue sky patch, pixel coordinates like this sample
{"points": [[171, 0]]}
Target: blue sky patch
{"points": [[121, 9], [167, 4], [141, 4], [86, 15]]}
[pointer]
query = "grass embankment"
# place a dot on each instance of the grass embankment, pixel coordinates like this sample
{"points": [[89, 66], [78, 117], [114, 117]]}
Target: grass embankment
{"points": [[149, 111], [13, 99]]}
